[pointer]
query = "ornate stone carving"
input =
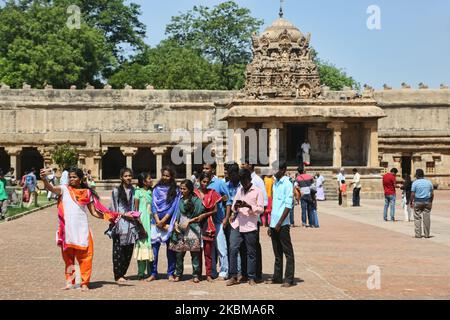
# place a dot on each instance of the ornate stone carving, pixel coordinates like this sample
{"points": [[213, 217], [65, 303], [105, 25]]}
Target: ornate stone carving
{"points": [[405, 86], [386, 87], [282, 65], [423, 86]]}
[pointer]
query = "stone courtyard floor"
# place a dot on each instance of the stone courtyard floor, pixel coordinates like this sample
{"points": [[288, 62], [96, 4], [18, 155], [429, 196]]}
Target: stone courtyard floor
{"points": [[332, 261]]}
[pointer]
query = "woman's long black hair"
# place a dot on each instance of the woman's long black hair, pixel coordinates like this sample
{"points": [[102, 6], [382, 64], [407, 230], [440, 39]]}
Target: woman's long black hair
{"points": [[142, 177], [80, 175], [189, 206], [122, 195], [204, 175], [172, 194]]}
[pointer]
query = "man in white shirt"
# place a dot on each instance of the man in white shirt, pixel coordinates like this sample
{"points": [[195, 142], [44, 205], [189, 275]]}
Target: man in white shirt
{"points": [[357, 188], [306, 150], [64, 181]]}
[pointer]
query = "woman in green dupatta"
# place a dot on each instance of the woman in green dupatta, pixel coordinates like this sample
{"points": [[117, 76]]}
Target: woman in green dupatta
{"points": [[187, 232], [143, 248]]}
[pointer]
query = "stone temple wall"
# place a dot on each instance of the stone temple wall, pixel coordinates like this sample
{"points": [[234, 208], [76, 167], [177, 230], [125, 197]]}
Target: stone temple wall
{"points": [[417, 125]]}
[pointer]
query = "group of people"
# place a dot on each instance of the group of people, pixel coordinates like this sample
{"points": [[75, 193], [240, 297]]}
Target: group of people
{"points": [[216, 220], [417, 196], [342, 187]]}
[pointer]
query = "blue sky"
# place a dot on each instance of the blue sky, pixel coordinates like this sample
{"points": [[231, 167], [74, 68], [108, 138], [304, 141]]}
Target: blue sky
{"points": [[412, 46]]}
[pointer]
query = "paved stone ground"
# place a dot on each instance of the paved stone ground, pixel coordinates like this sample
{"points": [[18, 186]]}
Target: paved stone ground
{"points": [[332, 260]]}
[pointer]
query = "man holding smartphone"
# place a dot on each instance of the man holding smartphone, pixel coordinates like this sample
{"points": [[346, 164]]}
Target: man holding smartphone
{"points": [[248, 204], [279, 229]]}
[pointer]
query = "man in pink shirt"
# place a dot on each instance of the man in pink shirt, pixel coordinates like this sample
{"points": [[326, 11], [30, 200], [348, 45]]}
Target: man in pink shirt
{"points": [[248, 204]]}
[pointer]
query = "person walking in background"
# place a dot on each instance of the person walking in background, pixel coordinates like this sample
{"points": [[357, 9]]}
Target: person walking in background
{"points": [[406, 194], [356, 183], [279, 230], [306, 152], [344, 194], [340, 178], [303, 184], [389, 185], [422, 196]]}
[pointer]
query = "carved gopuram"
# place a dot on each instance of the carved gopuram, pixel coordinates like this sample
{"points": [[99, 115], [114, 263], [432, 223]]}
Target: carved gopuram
{"points": [[283, 94], [372, 130]]}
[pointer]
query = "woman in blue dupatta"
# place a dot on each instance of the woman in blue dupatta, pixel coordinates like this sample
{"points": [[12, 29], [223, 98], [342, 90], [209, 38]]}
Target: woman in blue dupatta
{"points": [[166, 197]]}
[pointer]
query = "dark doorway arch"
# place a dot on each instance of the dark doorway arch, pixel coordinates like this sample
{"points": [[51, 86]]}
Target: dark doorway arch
{"points": [[144, 161], [180, 169], [5, 161], [112, 162], [31, 158]]}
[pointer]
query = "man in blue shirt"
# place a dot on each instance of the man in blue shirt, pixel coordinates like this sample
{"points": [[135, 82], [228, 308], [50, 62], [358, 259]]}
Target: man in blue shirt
{"points": [[279, 229], [422, 196], [220, 220]]}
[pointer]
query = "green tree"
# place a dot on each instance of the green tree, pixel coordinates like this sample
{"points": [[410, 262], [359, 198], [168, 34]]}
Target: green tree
{"points": [[37, 47], [332, 76], [168, 66], [222, 34], [65, 156]]}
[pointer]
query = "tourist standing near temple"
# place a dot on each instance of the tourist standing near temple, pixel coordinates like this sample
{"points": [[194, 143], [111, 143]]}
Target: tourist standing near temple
{"points": [[422, 196], [306, 152], [220, 222], [340, 178], [211, 201], [356, 183], [233, 185], [125, 232], [320, 180], [74, 235], [268, 182], [248, 204], [303, 185], [165, 201], [143, 203], [389, 185], [279, 229], [187, 233], [31, 185], [64, 180], [259, 183]]}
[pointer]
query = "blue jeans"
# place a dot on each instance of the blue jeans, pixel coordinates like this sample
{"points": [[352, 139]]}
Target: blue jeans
{"points": [[171, 259], [389, 201], [306, 204], [291, 216], [236, 240], [222, 250]]}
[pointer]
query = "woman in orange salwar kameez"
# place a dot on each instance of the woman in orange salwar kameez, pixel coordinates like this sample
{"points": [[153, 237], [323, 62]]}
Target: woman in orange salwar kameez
{"points": [[73, 235]]}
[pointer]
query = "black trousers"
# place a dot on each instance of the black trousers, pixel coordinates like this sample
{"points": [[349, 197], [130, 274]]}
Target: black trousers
{"points": [[282, 245], [259, 274], [356, 197], [249, 239], [121, 258], [242, 251], [340, 198]]}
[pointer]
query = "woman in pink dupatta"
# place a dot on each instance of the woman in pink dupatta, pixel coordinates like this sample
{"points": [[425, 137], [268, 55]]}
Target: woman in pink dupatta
{"points": [[210, 199]]}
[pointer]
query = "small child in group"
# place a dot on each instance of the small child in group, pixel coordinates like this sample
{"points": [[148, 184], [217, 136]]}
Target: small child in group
{"points": [[314, 208], [344, 193]]}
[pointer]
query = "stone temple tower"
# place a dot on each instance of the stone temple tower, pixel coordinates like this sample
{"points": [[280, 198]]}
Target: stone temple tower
{"points": [[283, 65]]}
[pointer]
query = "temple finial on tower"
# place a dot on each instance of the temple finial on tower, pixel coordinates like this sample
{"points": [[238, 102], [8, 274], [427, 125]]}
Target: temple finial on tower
{"points": [[281, 9]]}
